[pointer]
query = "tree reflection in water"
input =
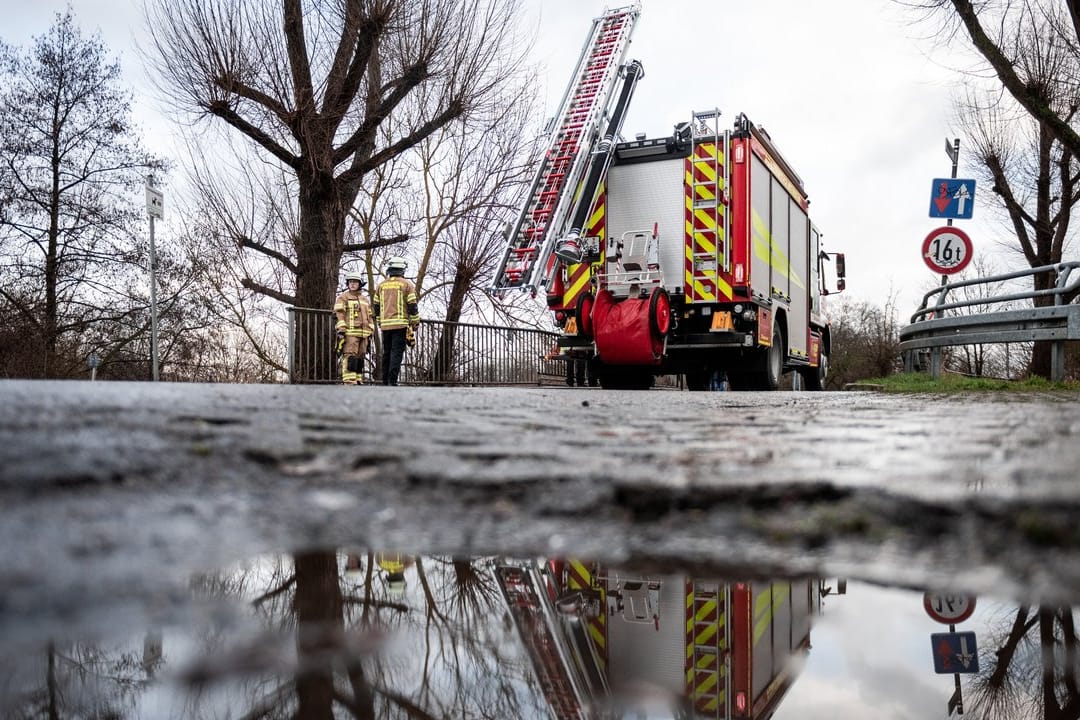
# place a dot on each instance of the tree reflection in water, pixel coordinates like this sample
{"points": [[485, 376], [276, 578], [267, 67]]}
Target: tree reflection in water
{"points": [[385, 635], [1031, 669]]}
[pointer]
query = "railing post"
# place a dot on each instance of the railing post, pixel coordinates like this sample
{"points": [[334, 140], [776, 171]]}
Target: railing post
{"points": [[935, 362], [291, 343], [1057, 361]]}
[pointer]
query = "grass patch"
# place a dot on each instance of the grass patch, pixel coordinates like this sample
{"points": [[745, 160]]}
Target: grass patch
{"points": [[923, 383]]}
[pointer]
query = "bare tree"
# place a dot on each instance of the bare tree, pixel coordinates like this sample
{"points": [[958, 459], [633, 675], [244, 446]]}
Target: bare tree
{"points": [[71, 166], [469, 182], [1020, 26], [866, 340], [1026, 148], [314, 83]]}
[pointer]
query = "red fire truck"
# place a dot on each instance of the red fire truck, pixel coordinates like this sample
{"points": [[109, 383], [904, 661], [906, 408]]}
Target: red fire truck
{"points": [[688, 254]]}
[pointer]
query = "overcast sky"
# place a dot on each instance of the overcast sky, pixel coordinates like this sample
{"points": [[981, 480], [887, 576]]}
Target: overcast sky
{"points": [[851, 91]]}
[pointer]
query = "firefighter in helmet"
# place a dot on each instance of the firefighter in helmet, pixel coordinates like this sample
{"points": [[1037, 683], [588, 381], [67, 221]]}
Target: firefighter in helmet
{"points": [[354, 328], [397, 313]]}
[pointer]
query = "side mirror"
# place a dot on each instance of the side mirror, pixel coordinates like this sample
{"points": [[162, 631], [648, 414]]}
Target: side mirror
{"points": [[840, 284], [840, 269]]}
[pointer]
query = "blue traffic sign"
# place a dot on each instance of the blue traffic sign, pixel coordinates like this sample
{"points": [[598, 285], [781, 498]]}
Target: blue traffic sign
{"points": [[952, 198], [954, 652]]}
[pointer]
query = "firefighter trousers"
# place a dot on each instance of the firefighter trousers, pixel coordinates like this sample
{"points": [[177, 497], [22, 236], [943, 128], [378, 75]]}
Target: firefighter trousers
{"points": [[393, 353]]}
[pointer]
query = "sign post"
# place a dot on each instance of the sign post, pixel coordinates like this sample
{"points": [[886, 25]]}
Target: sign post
{"points": [[952, 650], [155, 208]]}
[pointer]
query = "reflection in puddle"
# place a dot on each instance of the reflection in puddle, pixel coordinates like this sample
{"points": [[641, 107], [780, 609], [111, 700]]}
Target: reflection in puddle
{"points": [[387, 635]]}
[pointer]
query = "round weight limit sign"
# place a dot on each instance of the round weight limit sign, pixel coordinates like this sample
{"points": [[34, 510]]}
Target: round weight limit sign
{"points": [[949, 609], [947, 250]]}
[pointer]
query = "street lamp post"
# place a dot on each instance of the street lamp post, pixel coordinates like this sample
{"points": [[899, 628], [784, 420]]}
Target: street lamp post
{"points": [[155, 208]]}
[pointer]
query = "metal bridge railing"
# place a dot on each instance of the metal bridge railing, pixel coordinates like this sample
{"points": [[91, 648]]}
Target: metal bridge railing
{"points": [[931, 328], [445, 353]]}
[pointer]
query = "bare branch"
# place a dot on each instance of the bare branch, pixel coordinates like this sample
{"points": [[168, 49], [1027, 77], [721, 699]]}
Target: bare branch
{"points": [[246, 242], [268, 292]]}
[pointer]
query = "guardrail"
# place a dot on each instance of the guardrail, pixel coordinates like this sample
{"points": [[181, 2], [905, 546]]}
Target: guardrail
{"points": [[445, 353], [932, 328]]}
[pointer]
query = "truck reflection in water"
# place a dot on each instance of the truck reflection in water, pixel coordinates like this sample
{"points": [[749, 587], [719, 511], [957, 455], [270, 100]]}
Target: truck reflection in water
{"points": [[606, 641], [392, 635]]}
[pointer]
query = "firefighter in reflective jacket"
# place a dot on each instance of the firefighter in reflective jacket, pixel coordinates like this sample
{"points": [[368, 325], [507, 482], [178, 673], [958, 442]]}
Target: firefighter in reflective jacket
{"points": [[397, 313], [354, 328]]}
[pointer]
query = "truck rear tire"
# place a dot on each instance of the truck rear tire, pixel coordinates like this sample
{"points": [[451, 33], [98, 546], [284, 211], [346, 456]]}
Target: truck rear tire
{"points": [[625, 378], [769, 368], [814, 378]]}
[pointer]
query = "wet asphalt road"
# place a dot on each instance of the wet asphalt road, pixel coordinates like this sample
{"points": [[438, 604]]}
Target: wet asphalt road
{"points": [[114, 494]]}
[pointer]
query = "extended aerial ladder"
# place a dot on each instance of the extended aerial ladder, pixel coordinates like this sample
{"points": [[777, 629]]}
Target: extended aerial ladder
{"points": [[557, 649], [579, 153]]}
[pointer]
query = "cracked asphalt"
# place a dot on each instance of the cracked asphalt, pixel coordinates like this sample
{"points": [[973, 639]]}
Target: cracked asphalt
{"points": [[115, 494]]}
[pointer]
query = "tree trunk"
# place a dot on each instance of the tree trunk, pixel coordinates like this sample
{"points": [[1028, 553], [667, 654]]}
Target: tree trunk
{"points": [[318, 255], [444, 356], [319, 625], [1039, 366]]}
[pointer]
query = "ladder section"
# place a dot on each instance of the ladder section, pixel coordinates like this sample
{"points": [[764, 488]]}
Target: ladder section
{"points": [[708, 251], [527, 260], [706, 642], [531, 610]]}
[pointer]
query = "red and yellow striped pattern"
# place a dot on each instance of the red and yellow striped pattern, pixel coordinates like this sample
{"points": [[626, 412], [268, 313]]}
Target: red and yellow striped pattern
{"points": [[704, 642], [582, 577], [579, 277], [705, 230]]}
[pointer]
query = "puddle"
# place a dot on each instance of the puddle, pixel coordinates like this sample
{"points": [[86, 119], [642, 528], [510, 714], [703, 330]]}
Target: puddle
{"points": [[386, 635]]}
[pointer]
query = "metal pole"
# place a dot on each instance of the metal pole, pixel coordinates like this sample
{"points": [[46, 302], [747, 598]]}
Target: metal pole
{"points": [[153, 304], [291, 314], [954, 155]]}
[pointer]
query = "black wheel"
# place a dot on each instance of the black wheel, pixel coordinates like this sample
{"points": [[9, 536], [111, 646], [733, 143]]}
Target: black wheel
{"points": [[739, 381], [697, 380], [770, 366], [625, 378], [815, 378], [774, 362]]}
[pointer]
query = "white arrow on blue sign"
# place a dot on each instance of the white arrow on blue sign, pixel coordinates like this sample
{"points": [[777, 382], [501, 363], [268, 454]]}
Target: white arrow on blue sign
{"points": [[952, 198], [954, 652]]}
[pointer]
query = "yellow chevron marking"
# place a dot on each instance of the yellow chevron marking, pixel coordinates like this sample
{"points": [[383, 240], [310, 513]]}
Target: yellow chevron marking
{"points": [[702, 292], [705, 167], [767, 250], [580, 568], [704, 193], [708, 683], [762, 613], [705, 635], [765, 605], [597, 216], [576, 287], [706, 218], [597, 636]]}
